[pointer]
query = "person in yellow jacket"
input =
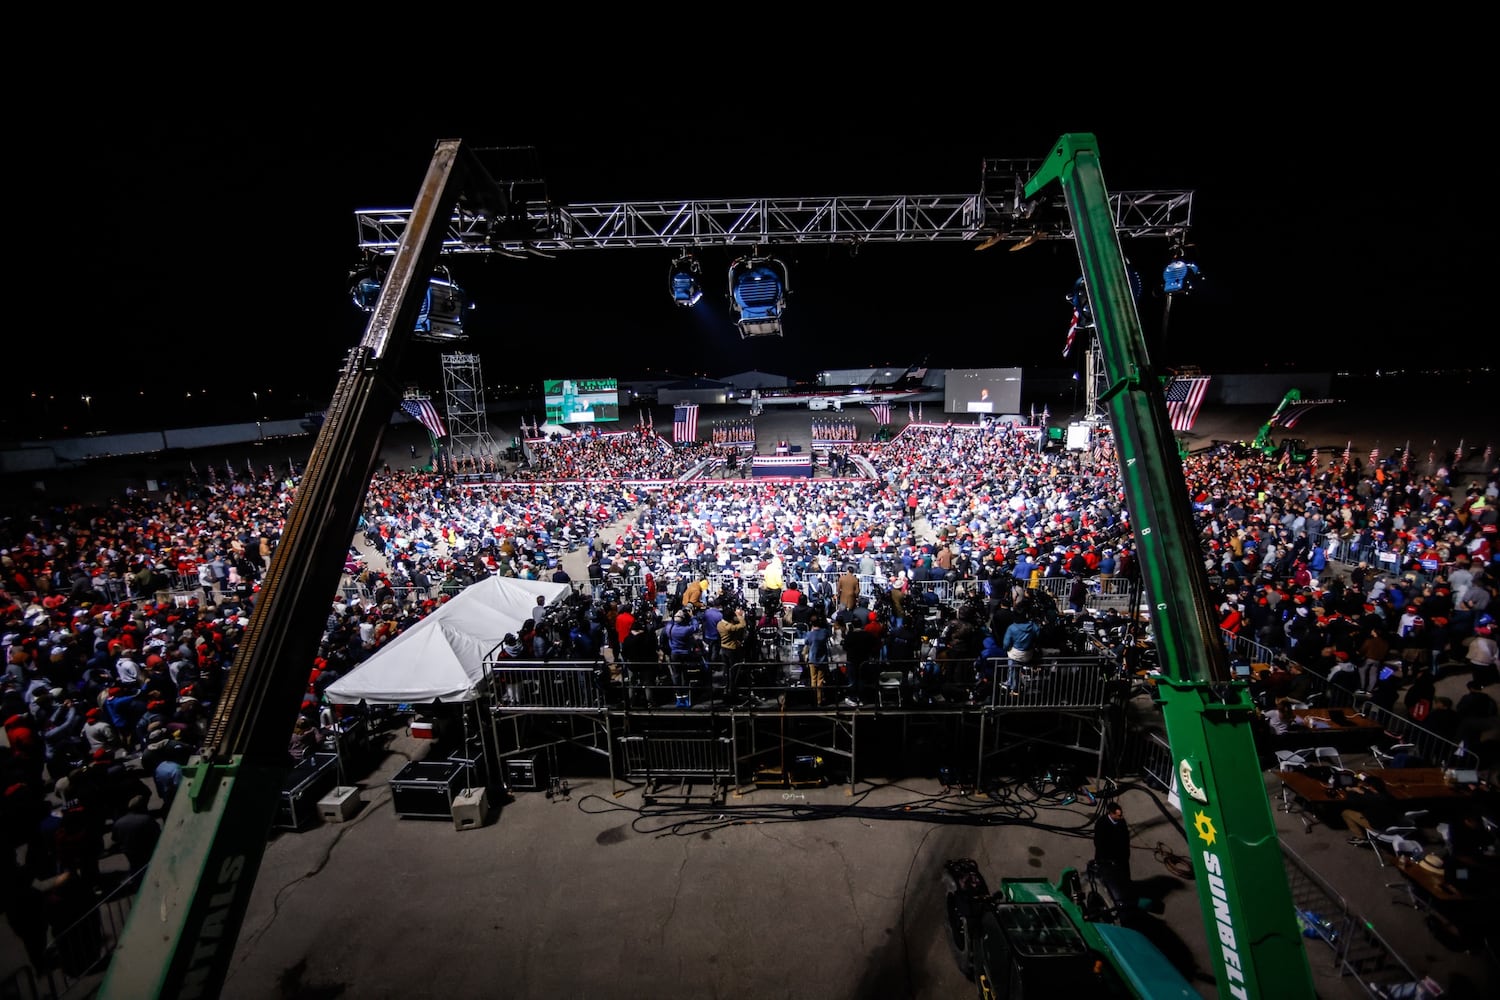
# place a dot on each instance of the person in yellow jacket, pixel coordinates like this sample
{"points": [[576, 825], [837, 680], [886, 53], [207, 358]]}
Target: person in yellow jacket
{"points": [[772, 580], [692, 597]]}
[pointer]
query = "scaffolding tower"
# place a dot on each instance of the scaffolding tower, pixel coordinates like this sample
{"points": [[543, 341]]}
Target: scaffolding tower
{"points": [[463, 396]]}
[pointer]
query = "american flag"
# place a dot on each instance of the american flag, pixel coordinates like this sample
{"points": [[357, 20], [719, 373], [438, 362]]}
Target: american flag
{"points": [[882, 412], [1290, 418], [1375, 455], [423, 412], [1072, 334], [1347, 453], [685, 423], [1184, 397]]}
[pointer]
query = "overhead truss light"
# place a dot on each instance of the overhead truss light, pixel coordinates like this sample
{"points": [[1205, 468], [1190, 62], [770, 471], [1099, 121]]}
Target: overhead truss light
{"points": [[757, 293], [685, 281], [441, 318]]}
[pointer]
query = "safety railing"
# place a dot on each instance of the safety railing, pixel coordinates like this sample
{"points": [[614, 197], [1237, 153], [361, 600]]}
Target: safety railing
{"points": [[1247, 648], [1149, 755], [549, 688], [1070, 682], [1436, 750], [1354, 947], [1099, 595], [82, 949], [1085, 682], [655, 758], [402, 595]]}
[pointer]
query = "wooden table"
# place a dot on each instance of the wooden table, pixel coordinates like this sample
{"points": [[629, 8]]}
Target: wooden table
{"points": [[1428, 883], [1403, 785], [1459, 907], [1405, 788], [1319, 721]]}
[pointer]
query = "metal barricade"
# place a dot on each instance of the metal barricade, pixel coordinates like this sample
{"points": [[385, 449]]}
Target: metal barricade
{"points": [[1355, 948], [941, 590], [1436, 750], [655, 758], [1052, 683], [1101, 595], [545, 688]]}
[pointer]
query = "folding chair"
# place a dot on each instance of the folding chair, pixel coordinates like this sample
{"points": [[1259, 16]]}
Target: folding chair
{"points": [[1292, 760], [889, 691], [1329, 756], [1400, 838], [1386, 757]]}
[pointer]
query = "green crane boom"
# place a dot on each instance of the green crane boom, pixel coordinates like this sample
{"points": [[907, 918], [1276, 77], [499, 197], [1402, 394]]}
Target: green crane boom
{"points": [[186, 919], [1262, 442], [1255, 941]]}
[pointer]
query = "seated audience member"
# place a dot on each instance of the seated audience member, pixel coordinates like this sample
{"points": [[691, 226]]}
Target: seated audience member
{"points": [[1280, 718]]}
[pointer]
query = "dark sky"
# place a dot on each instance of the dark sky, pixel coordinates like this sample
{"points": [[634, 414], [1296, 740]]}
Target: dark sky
{"points": [[209, 254]]}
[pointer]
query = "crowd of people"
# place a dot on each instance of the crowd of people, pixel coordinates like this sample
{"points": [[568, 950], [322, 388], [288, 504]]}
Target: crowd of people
{"points": [[119, 621]]}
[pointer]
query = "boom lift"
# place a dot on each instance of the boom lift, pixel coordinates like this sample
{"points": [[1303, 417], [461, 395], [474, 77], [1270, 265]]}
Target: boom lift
{"points": [[1295, 448], [1256, 943], [187, 915]]}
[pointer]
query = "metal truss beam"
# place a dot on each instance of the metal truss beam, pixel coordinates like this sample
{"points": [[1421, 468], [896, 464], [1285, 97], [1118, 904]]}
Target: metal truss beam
{"points": [[781, 221]]}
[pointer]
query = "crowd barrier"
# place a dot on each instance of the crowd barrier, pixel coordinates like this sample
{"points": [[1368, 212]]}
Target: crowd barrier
{"points": [[1353, 945], [1051, 683]]}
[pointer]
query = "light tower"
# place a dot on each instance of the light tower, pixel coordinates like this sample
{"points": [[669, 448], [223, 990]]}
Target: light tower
{"points": [[463, 395]]}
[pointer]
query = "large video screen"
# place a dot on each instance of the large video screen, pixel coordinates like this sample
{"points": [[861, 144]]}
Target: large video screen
{"points": [[982, 390], [581, 400]]}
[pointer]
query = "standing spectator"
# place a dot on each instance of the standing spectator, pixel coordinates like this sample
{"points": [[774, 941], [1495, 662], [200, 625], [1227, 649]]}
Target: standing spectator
{"points": [[1019, 645], [136, 833], [1372, 655], [848, 589], [681, 636], [1112, 854], [816, 648], [1483, 654], [98, 732], [732, 629]]}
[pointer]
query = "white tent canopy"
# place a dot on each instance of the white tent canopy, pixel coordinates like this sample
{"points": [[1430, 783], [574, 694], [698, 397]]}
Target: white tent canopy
{"points": [[441, 657]]}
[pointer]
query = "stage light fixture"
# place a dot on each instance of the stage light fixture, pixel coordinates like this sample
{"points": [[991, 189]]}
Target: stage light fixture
{"points": [[757, 293], [685, 281], [441, 318]]}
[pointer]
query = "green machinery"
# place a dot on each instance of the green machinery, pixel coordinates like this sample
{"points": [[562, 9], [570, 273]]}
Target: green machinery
{"points": [[1032, 938], [1255, 938], [187, 915], [1295, 448]]}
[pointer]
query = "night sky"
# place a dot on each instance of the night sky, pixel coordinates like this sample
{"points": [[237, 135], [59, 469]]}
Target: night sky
{"points": [[199, 263]]}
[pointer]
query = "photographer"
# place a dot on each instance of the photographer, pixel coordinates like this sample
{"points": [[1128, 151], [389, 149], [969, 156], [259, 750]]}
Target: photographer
{"points": [[683, 648], [732, 633]]}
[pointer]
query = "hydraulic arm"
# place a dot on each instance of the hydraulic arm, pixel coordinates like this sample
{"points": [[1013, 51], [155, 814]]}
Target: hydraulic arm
{"points": [[1255, 940], [1262, 442], [186, 918]]}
